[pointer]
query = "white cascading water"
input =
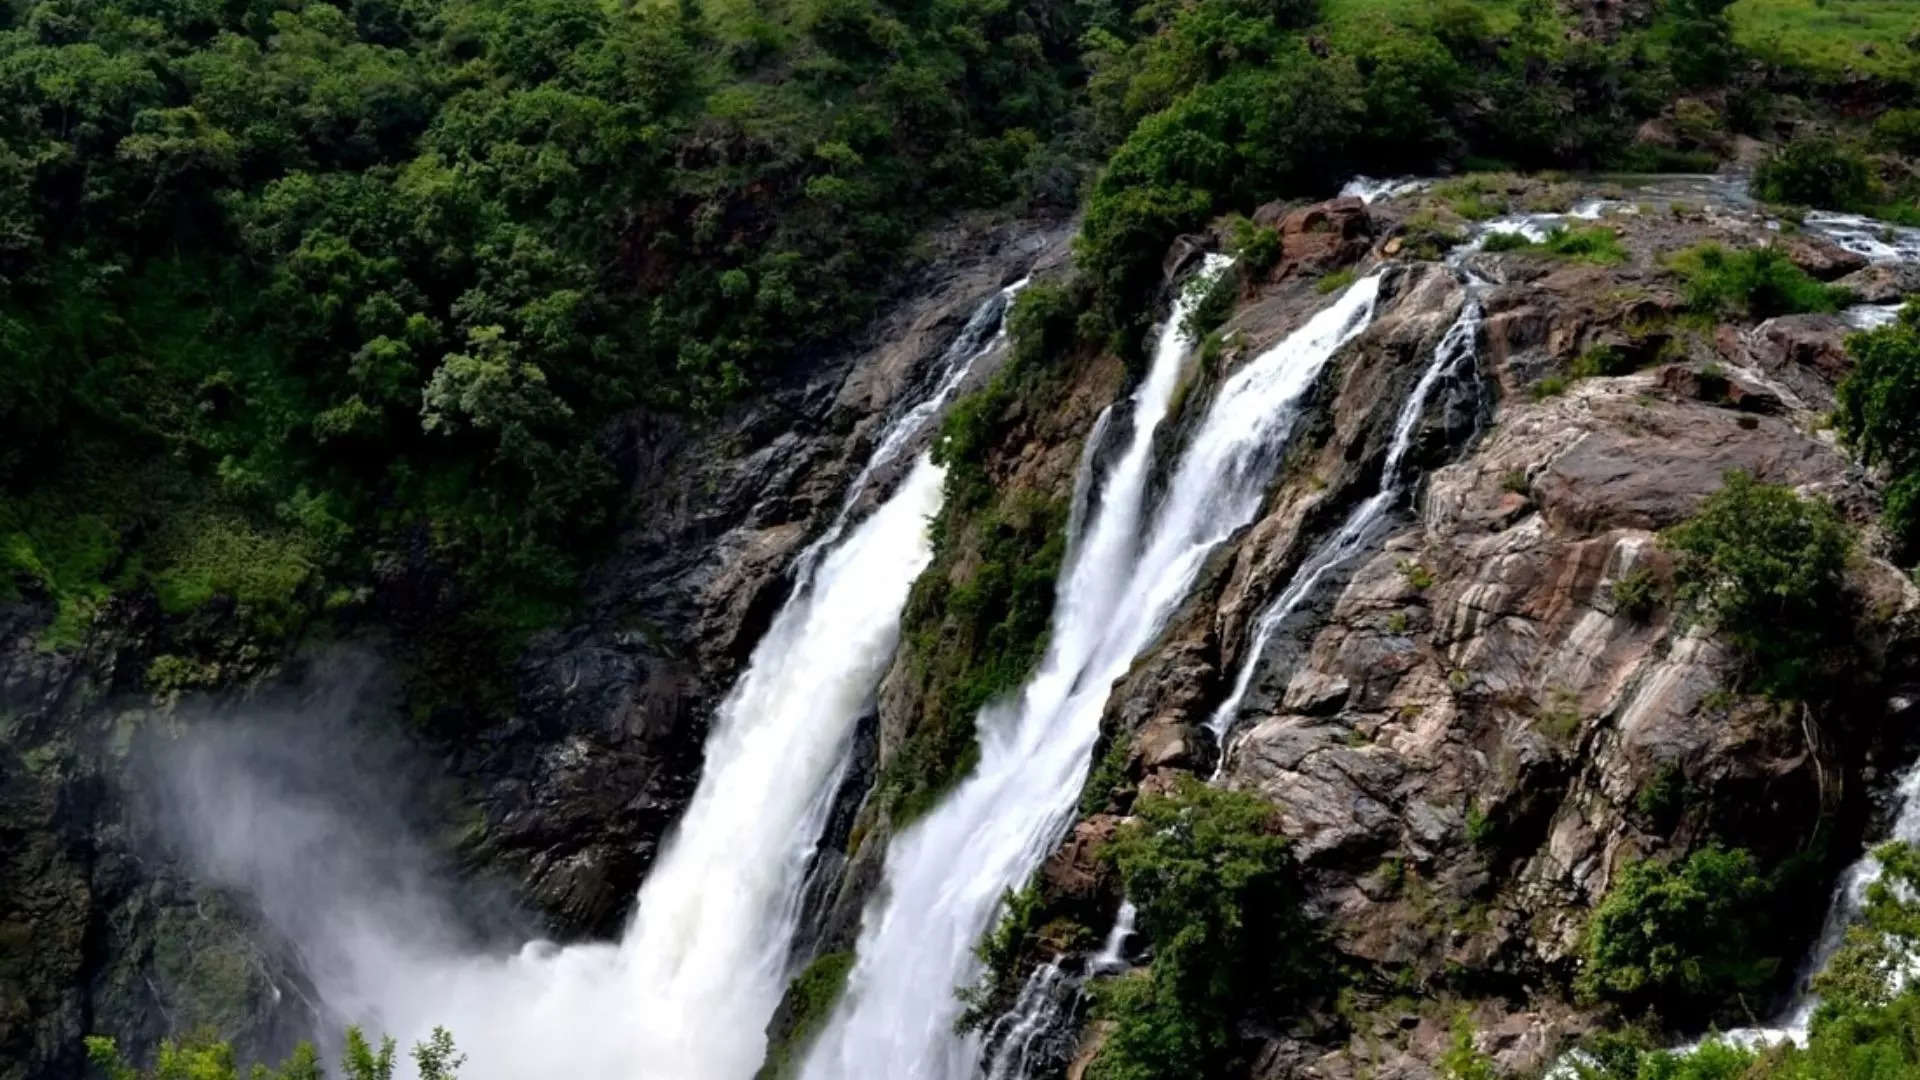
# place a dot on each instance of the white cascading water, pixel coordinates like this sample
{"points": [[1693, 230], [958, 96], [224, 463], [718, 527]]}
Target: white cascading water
{"points": [[945, 875], [1458, 349], [1849, 902], [687, 992]]}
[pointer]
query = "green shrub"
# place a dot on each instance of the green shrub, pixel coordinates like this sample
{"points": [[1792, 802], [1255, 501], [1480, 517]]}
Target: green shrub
{"points": [[1863, 1028], [1756, 282], [1218, 899], [1416, 575], [1898, 130], [1661, 799], [1636, 594], [434, 1058], [1768, 569], [1548, 386], [1681, 939], [1109, 772], [1256, 247], [1335, 281], [1816, 172], [1481, 831], [1462, 1061], [1508, 241], [1877, 412]]}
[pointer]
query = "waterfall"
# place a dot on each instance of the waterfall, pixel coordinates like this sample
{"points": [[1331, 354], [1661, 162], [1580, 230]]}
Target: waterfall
{"points": [[1848, 904], [1455, 355], [945, 875], [687, 992]]}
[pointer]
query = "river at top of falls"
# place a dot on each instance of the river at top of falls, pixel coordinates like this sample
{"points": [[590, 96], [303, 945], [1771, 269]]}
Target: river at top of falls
{"points": [[945, 875]]}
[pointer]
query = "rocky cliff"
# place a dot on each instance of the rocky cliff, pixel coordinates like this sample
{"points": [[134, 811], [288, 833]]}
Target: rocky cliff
{"points": [[1473, 724]]}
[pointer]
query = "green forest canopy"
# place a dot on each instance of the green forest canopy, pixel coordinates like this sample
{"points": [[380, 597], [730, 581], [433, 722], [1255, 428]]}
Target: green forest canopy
{"points": [[310, 307]]}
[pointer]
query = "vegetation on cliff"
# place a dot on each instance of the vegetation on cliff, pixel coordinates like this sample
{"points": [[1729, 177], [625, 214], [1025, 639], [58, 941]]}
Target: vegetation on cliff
{"points": [[1863, 1028], [977, 620], [808, 1003], [311, 305], [1878, 413], [1217, 897], [1767, 568], [1682, 938]]}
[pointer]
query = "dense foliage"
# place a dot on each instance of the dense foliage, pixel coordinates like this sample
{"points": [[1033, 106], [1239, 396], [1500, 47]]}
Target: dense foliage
{"points": [[434, 1059], [1682, 938], [1877, 411], [1757, 283], [311, 303], [1863, 1029], [1767, 568], [1826, 172], [1221, 107], [1218, 899]]}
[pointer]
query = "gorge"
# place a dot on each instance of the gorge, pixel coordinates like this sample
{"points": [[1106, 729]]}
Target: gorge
{"points": [[891, 542]]}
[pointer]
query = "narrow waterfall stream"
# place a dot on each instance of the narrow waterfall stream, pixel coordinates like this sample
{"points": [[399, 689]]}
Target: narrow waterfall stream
{"points": [[945, 875], [1454, 356], [1849, 902]]}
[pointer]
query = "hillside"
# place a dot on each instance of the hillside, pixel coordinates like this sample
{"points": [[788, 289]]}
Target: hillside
{"points": [[847, 538]]}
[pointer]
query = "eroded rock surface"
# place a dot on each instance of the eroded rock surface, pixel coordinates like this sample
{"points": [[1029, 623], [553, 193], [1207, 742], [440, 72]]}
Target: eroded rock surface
{"points": [[1460, 731]]}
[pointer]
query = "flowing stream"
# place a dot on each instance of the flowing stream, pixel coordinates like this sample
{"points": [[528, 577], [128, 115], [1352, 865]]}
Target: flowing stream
{"points": [[946, 874]]}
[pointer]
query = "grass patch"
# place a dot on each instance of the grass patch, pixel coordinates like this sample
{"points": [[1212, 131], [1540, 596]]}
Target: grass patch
{"points": [[223, 555], [1476, 197], [1595, 244], [1336, 281], [1825, 37], [1550, 386], [1759, 283]]}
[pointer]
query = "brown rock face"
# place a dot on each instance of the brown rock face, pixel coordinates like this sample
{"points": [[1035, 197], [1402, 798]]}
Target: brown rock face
{"points": [[1075, 872], [1459, 732], [1318, 238], [1821, 257]]}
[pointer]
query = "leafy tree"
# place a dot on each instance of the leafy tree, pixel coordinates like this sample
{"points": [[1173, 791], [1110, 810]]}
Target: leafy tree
{"points": [[1768, 569], [1217, 896], [1877, 411], [1681, 938]]}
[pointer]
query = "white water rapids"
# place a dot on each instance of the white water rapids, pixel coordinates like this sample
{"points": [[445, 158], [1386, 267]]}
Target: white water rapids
{"points": [[945, 875]]}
